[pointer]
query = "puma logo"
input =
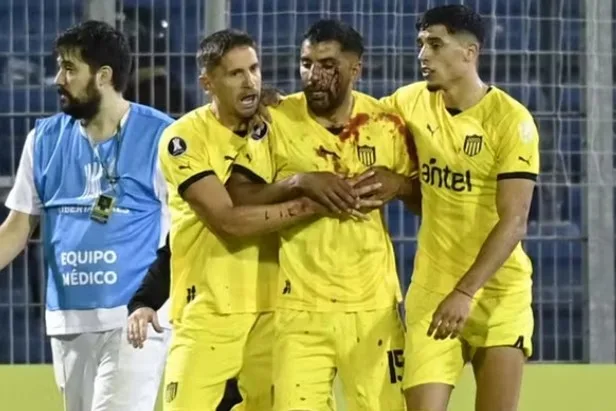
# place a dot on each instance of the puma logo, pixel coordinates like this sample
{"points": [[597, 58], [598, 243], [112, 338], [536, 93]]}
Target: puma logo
{"points": [[431, 130], [524, 160]]}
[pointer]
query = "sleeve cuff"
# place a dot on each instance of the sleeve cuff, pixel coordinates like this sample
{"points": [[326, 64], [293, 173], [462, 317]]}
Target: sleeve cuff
{"points": [[249, 174], [517, 174], [191, 180]]}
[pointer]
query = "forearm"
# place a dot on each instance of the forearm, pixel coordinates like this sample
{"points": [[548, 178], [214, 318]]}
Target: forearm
{"points": [[13, 242], [248, 193], [248, 221], [498, 246]]}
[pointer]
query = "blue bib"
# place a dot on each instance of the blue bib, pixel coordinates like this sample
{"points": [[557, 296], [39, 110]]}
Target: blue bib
{"points": [[91, 265]]}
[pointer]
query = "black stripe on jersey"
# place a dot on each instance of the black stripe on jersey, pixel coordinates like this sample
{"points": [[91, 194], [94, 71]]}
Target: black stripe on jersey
{"points": [[255, 178], [517, 174], [191, 180]]}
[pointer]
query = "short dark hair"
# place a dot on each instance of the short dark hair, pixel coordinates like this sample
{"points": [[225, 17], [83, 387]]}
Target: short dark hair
{"points": [[216, 45], [99, 44], [335, 30], [457, 18]]}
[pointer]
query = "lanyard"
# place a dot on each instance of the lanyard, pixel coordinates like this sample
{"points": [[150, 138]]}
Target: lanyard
{"points": [[111, 179]]}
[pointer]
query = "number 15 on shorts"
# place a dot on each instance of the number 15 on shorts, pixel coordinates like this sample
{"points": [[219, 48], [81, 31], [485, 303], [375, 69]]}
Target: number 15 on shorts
{"points": [[395, 359]]}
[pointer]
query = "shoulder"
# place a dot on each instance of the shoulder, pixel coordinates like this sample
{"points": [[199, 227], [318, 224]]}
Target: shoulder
{"points": [[186, 133], [48, 129], [291, 106], [507, 109], [411, 91], [188, 127], [152, 115], [506, 114]]}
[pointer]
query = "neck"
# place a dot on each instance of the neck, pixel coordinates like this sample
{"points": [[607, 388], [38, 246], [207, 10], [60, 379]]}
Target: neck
{"points": [[105, 123], [226, 118], [464, 93], [340, 116]]}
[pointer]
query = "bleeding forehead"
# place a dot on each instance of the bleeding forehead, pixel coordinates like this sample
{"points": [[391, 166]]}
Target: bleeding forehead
{"points": [[321, 50], [437, 31]]}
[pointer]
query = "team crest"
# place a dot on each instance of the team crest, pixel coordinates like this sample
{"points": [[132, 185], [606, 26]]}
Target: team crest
{"points": [[367, 155], [171, 391], [472, 145]]}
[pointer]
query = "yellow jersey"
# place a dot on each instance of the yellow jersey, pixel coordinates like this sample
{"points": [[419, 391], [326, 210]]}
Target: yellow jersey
{"points": [[209, 273], [331, 264], [462, 156]]}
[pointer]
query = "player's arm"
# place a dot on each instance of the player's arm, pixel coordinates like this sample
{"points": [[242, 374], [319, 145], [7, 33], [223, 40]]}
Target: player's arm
{"points": [[518, 167], [252, 182], [25, 206], [211, 201], [187, 168], [149, 297]]}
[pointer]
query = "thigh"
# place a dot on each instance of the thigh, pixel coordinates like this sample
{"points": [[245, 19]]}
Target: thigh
{"points": [[303, 361], [498, 374], [501, 340], [140, 372], [431, 367], [371, 360], [107, 380], [74, 366], [200, 361], [255, 378]]}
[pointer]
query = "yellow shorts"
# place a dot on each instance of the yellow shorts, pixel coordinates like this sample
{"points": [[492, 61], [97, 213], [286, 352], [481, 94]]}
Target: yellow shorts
{"points": [[202, 359], [364, 348], [505, 320]]}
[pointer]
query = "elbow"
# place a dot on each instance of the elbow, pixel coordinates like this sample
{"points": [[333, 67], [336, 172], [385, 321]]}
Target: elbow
{"points": [[519, 227], [231, 228]]}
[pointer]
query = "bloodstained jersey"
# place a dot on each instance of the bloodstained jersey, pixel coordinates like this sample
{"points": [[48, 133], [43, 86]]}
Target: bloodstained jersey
{"points": [[332, 264], [462, 156]]}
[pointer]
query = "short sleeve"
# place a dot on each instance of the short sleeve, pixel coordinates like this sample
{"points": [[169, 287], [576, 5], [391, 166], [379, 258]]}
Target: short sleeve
{"points": [[24, 197], [518, 152], [183, 158], [255, 160]]}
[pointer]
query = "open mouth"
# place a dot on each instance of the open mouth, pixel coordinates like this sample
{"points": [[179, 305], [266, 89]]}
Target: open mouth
{"points": [[249, 101], [425, 71]]}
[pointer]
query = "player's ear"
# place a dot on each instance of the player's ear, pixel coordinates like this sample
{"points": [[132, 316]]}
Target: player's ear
{"points": [[205, 82], [104, 75], [356, 70], [471, 51]]}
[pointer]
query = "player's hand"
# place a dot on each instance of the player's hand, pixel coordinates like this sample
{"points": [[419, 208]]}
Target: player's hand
{"points": [[450, 316], [330, 190], [377, 186], [270, 97], [138, 326]]}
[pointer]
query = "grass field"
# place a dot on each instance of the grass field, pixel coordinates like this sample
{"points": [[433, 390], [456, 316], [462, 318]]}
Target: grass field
{"points": [[546, 388]]}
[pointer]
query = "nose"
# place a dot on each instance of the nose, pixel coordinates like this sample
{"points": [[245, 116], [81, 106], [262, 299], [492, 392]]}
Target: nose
{"points": [[423, 54], [249, 80], [59, 80]]}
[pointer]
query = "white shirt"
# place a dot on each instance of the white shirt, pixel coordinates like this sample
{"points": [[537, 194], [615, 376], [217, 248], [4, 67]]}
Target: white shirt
{"points": [[24, 198]]}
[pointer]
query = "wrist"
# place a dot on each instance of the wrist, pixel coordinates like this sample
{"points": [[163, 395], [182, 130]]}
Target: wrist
{"points": [[468, 291], [294, 185]]}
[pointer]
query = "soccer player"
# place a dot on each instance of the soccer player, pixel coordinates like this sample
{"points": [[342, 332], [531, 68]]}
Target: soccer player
{"points": [[104, 217], [222, 284], [338, 286], [470, 296], [150, 297]]}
